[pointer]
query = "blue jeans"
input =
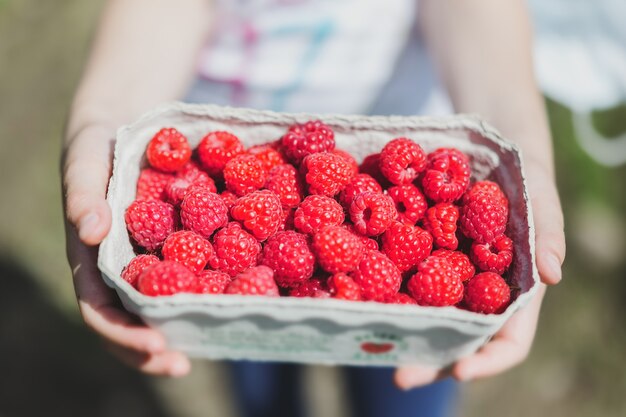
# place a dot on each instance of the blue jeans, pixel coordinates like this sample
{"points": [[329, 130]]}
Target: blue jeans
{"points": [[273, 389]]}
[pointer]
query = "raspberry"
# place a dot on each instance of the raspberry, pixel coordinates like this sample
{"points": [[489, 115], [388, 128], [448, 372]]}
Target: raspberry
{"points": [[487, 293], [368, 243], [244, 174], [258, 280], [136, 266], [447, 175], [372, 213], [315, 212], [177, 188], [285, 182], [483, 217], [166, 278], [401, 298], [440, 221], [229, 198], [401, 161], [360, 183], [326, 173], [216, 149], [151, 184], [235, 249], [345, 155], [305, 139], [378, 276], [436, 283], [203, 211], [289, 255], [150, 222], [343, 287], [211, 282], [495, 256], [371, 167], [459, 262], [259, 212], [489, 187], [337, 249], [314, 287], [168, 150], [406, 245], [187, 248], [268, 156], [410, 203]]}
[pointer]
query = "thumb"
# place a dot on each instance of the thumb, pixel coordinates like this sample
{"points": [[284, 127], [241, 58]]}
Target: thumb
{"points": [[86, 171]]}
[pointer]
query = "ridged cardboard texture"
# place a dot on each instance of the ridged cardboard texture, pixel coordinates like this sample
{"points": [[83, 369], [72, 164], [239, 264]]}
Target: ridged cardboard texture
{"points": [[307, 330]]}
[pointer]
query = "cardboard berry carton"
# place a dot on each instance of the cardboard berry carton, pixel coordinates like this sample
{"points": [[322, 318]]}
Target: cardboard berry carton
{"points": [[315, 330]]}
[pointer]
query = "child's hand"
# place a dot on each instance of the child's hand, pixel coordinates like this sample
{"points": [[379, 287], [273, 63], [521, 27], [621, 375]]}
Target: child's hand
{"points": [[86, 171]]}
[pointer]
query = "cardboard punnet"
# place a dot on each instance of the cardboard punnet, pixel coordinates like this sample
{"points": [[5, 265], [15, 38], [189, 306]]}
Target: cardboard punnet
{"points": [[307, 330]]}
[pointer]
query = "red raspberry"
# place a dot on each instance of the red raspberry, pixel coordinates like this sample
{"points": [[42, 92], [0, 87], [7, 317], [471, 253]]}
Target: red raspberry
{"points": [[166, 278], [187, 248], [259, 212], [285, 182], [401, 161], [495, 256], [440, 221], [410, 203], [235, 249], [315, 212], [360, 183], [151, 184], [244, 174], [268, 156], [203, 211], [371, 167], [229, 199], [258, 280], [372, 213], [289, 255], [345, 155], [368, 243], [459, 262], [150, 222], [483, 217], [436, 283], [168, 150], [178, 187], [211, 282], [305, 139], [378, 276], [343, 287], [315, 288], [216, 149], [447, 175], [337, 249], [326, 173], [136, 266], [406, 245], [401, 298], [487, 293], [489, 187]]}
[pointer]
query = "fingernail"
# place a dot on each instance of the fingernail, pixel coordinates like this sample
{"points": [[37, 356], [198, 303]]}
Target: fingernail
{"points": [[555, 267], [179, 368], [87, 225]]}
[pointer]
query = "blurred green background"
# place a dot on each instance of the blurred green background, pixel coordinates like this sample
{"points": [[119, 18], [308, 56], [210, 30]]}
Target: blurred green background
{"points": [[51, 365]]}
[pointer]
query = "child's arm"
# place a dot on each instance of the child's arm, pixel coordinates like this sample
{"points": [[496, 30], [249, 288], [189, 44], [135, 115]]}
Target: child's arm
{"points": [[144, 53], [483, 52]]}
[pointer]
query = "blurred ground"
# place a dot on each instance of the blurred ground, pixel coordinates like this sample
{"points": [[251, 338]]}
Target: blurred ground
{"points": [[51, 365]]}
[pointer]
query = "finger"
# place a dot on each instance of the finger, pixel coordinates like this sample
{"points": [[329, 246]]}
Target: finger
{"points": [[413, 376], [549, 235], [168, 363], [508, 348], [86, 171], [100, 306]]}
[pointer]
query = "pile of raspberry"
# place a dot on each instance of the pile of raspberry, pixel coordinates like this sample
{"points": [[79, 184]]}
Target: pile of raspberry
{"points": [[299, 217]]}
